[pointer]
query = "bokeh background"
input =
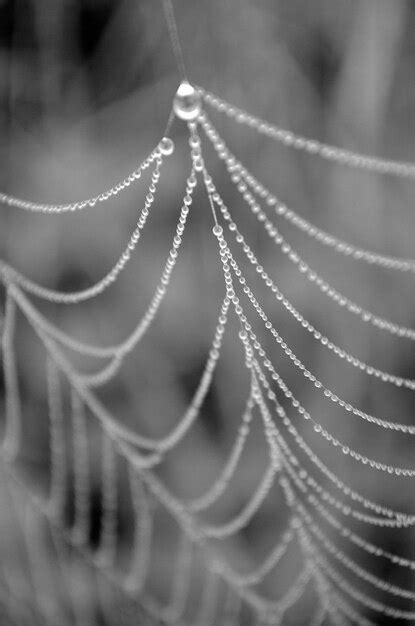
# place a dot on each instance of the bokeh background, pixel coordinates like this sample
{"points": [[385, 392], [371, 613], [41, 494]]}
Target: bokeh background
{"points": [[85, 90]]}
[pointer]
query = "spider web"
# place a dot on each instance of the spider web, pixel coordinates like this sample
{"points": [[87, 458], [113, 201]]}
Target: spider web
{"points": [[201, 585]]}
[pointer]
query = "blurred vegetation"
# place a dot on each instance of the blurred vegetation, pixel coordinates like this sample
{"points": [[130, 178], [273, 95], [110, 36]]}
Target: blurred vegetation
{"points": [[85, 92]]}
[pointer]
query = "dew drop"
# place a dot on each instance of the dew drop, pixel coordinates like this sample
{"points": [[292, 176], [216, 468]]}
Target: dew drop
{"points": [[187, 103], [166, 146]]}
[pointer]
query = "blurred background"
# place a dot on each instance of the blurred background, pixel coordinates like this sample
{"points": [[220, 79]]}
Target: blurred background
{"points": [[86, 89]]}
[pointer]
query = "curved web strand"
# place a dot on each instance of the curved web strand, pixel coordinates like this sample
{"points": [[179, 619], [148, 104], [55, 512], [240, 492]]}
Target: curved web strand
{"points": [[51, 295], [219, 532], [163, 444], [279, 296], [13, 427], [328, 393], [350, 612], [338, 554], [105, 374], [356, 539], [303, 267], [325, 287], [120, 439], [298, 473], [334, 479], [347, 510], [118, 350], [243, 518], [349, 563], [275, 451], [90, 202], [243, 282], [362, 573], [396, 426], [294, 594], [273, 611], [292, 430], [322, 587], [114, 428], [166, 443], [331, 153], [351, 591], [221, 483], [357, 456], [281, 413], [144, 602], [240, 175], [305, 483], [270, 562], [404, 428], [189, 526], [322, 565], [176, 509], [359, 541], [384, 522]]}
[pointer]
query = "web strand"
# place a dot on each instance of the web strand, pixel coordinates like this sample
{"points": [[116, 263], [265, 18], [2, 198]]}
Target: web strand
{"points": [[174, 37], [331, 153], [305, 499], [28, 205], [13, 427]]}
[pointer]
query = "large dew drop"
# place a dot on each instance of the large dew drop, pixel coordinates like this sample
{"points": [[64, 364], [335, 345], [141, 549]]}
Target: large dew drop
{"points": [[187, 103], [166, 146]]}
